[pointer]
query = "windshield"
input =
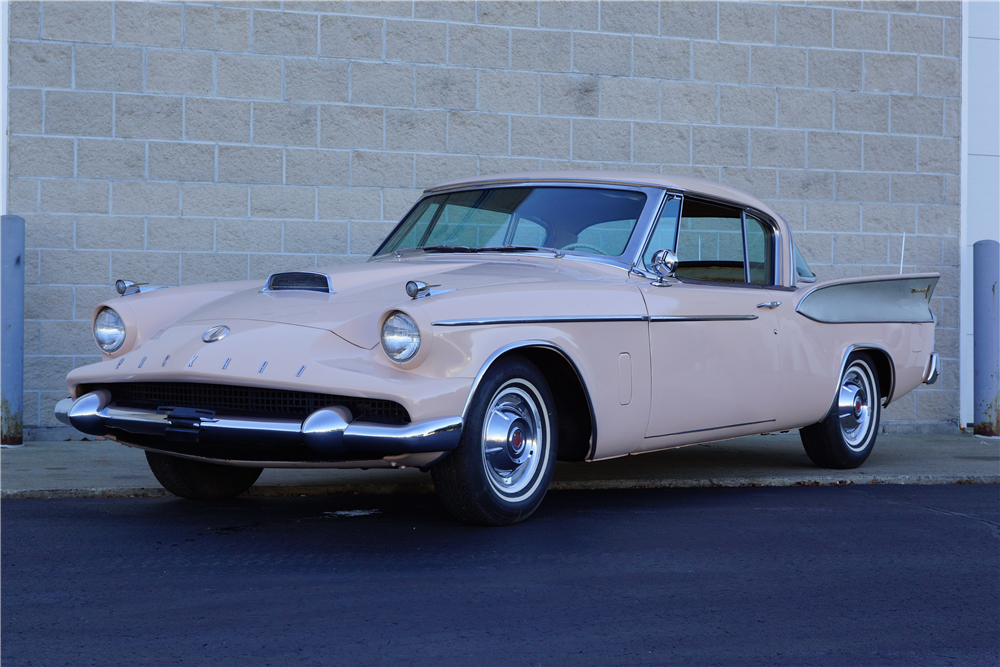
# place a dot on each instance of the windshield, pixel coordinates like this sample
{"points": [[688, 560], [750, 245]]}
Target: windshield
{"points": [[596, 221]]}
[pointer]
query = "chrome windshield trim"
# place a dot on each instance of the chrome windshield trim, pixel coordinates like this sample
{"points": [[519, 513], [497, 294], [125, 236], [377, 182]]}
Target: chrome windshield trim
{"points": [[702, 318], [558, 319]]}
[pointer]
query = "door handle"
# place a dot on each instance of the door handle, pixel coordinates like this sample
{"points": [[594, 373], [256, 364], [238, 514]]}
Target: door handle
{"points": [[769, 304]]}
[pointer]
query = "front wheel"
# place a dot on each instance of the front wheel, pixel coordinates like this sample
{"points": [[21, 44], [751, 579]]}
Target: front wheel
{"points": [[846, 437], [502, 466], [196, 480]]}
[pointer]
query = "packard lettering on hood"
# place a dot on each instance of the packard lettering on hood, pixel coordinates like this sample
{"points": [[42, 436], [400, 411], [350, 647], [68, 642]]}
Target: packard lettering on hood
{"points": [[507, 322]]}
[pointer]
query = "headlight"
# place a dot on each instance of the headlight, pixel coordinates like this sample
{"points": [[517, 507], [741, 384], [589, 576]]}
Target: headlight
{"points": [[109, 330], [400, 337]]}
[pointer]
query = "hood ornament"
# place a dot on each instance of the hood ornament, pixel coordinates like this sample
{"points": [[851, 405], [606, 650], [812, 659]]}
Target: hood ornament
{"points": [[215, 333]]}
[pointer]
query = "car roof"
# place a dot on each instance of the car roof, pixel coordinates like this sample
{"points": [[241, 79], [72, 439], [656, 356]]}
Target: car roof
{"points": [[668, 181]]}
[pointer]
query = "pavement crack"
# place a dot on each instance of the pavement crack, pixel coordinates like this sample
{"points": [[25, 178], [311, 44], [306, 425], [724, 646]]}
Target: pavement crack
{"points": [[992, 524]]}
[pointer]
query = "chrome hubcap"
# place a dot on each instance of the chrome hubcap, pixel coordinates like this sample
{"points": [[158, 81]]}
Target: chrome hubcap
{"points": [[513, 435], [855, 407]]}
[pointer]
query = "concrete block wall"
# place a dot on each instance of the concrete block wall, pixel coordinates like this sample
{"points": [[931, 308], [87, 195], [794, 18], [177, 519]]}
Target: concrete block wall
{"points": [[177, 143]]}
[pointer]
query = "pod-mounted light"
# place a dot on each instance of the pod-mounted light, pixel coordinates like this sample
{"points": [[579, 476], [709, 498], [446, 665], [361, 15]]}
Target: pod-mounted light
{"points": [[109, 330], [128, 288], [400, 336]]}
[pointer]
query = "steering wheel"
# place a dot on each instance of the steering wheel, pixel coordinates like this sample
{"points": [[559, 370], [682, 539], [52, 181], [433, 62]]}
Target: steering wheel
{"points": [[585, 247]]}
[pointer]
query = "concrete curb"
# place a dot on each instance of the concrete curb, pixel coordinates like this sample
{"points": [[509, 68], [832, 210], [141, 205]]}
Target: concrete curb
{"points": [[576, 485]]}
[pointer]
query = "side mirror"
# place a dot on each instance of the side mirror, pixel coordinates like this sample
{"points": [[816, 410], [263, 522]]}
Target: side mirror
{"points": [[664, 264]]}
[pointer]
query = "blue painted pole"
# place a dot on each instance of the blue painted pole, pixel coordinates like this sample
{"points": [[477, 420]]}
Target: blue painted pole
{"points": [[986, 337], [12, 330]]}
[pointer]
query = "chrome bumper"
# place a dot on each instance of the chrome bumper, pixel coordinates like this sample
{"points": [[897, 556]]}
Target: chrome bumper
{"points": [[933, 369], [329, 432]]}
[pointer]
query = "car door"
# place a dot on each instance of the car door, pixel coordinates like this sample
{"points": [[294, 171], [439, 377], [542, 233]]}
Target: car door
{"points": [[713, 332]]}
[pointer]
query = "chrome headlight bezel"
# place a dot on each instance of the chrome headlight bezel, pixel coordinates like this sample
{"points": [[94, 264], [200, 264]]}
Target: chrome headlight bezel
{"points": [[400, 337], [109, 330]]}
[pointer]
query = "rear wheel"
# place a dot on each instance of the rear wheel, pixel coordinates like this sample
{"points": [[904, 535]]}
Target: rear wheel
{"points": [[846, 437], [502, 466], [196, 480]]}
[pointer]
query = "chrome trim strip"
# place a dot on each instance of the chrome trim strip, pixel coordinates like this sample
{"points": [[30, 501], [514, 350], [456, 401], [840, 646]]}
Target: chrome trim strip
{"points": [[871, 279], [564, 319], [557, 319], [701, 318], [516, 182], [131, 288], [746, 252], [226, 362], [714, 428], [92, 414], [142, 361]]}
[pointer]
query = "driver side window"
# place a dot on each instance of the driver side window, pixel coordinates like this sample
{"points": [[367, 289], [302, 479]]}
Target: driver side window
{"points": [[710, 243]]}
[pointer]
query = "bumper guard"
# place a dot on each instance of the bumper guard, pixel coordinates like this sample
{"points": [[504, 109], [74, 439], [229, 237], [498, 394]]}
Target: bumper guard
{"points": [[933, 369]]}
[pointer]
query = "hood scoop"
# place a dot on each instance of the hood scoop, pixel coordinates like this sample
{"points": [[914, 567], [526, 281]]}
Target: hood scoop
{"points": [[299, 280]]}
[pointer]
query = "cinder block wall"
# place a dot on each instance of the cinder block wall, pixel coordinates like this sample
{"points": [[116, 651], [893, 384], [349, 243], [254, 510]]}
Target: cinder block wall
{"points": [[178, 143]]}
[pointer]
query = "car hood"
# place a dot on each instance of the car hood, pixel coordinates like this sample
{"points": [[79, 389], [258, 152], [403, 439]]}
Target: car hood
{"points": [[367, 290]]}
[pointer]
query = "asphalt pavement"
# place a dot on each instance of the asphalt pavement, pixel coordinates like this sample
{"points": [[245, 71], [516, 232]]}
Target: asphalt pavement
{"points": [[843, 575], [103, 468]]}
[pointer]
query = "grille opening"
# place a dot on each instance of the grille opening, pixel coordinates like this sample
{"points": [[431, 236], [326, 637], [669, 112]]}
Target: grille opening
{"points": [[246, 401]]}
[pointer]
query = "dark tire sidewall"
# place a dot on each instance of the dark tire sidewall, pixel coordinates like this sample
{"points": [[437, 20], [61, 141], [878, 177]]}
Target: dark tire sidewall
{"points": [[825, 443], [512, 372], [198, 480], [859, 456]]}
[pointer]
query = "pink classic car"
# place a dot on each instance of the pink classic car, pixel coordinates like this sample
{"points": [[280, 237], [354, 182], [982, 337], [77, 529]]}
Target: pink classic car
{"points": [[507, 322]]}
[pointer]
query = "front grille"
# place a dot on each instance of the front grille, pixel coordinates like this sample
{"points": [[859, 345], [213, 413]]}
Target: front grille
{"points": [[235, 400]]}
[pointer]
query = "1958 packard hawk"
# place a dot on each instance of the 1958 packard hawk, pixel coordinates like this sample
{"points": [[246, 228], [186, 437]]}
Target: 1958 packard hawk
{"points": [[507, 322]]}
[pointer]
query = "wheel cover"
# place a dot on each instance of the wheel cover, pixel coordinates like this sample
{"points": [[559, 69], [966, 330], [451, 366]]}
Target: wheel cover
{"points": [[856, 407], [515, 437]]}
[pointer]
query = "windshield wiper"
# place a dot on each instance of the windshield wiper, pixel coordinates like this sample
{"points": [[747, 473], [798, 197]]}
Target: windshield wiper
{"points": [[518, 248], [448, 248], [492, 248]]}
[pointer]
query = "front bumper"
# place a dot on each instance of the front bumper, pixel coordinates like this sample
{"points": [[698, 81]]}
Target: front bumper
{"points": [[328, 434]]}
